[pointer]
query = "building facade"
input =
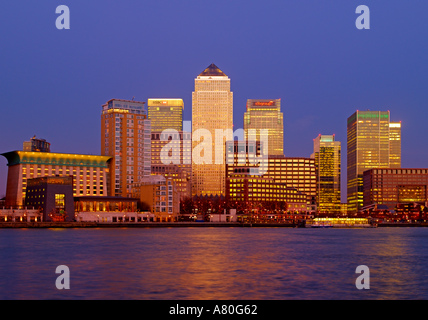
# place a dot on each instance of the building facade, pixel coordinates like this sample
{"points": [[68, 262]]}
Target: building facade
{"points": [[160, 196], [165, 114], [181, 177], [297, 173], [109, 210], [212, 126], [90, 172], [265, 115], [172, 157], [395, 144], [125, 136], [53, 196], [327, 162], [254, 190], [36, 145], [373, 141], [393, 186]]}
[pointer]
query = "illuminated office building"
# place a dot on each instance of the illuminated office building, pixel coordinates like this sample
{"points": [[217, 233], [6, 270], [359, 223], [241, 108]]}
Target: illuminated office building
{"points": [[172, 158], [392, 186], [327, 163], [395, 144], [373, 142], [170, 146], [212, 126], [294, 172], [298, 173], [242, 186], [266, 114], [125, 135], [90, 173], [165, 114]]}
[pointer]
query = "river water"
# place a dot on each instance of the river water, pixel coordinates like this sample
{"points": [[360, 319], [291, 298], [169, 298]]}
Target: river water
{"points": [[214, 263]]}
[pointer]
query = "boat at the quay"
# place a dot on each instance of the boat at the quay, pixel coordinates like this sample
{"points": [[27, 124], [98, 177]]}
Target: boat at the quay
{"points": [[340, 223]]}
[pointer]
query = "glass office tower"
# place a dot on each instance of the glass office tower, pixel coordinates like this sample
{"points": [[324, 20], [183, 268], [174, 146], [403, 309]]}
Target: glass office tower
{"points": [[395, 144], [165, 114], [372, 143], [327, 161], [212, 126], [266, 114]]}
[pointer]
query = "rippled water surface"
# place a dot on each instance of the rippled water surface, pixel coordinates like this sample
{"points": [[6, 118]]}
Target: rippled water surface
{"points": [[214, 263]]}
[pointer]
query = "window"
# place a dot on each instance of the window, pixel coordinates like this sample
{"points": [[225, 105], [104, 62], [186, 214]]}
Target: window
{"points": [[59, 201]]}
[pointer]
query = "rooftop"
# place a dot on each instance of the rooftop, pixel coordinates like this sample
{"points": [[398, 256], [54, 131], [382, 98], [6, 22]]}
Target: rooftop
{"points": [[212, 70]]}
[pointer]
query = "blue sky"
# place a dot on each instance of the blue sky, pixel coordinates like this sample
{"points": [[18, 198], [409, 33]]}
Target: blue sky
{"points": [[308, 53]]}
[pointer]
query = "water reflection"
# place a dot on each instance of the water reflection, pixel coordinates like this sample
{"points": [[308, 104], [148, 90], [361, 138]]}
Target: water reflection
{"points": [[214, 263]]}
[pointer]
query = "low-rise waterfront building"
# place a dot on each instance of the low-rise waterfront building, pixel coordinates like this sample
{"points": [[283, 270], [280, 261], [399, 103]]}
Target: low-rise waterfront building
{"points": [[90, 173], [114, 217], [53, 196], [20, 215], [392, 186], [109, 210], [159, 194]]}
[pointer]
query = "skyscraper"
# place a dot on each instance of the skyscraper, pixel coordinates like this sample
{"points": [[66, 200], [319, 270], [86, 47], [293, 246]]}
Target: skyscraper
{"points": [[212, 126], [171, 147], [373, 142], [327, 163], [125, 135], [165, 114], [395, 144], [266, 114]]}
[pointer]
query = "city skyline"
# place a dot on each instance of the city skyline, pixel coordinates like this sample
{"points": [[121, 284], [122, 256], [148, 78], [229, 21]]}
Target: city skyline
{"points": [[126, 171], [56, 84]]}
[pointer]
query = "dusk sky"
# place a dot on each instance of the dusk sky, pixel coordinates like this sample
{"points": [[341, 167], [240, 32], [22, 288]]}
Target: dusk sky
{"points": [[308, 53]]}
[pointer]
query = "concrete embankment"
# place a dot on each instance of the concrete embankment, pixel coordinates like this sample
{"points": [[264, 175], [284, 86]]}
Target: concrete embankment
{"points": [[173, 225], [402, 224], [138, 225], [47, 224]]}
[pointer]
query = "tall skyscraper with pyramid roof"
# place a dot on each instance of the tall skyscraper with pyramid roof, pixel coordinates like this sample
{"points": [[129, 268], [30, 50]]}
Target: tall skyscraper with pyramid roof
{"points": [[212, 126]]}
